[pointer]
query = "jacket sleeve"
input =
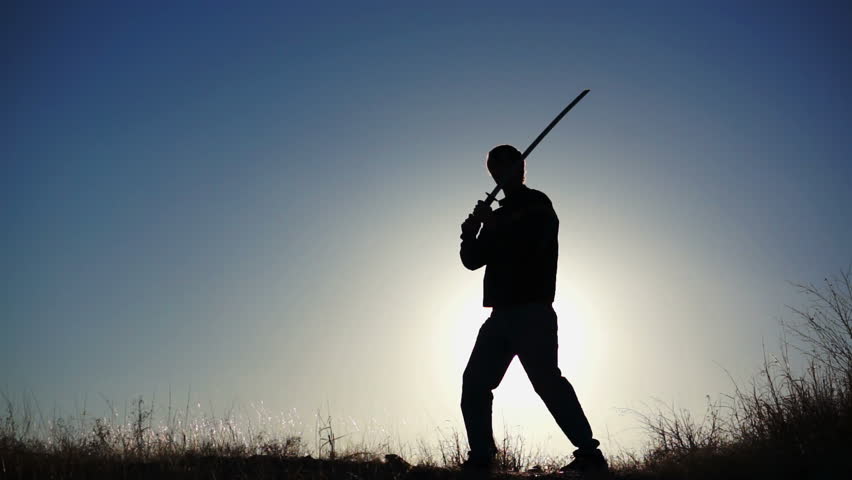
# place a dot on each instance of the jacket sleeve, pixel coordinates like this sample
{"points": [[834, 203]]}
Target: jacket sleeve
{"points": [[475, 250]]}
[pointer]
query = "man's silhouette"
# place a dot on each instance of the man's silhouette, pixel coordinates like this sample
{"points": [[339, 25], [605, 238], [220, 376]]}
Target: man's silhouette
{"points": [[518, 246]]}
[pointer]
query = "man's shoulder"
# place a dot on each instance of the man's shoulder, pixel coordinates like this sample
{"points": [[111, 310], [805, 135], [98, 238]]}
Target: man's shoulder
{"points": [[539, 198]]}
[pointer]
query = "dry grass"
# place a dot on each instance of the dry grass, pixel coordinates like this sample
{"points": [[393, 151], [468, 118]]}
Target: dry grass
{"points": [[180, 444], [783, 424]]}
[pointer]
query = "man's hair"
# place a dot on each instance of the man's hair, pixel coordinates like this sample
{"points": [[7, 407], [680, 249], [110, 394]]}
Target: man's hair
{"points": [[503, 156]]}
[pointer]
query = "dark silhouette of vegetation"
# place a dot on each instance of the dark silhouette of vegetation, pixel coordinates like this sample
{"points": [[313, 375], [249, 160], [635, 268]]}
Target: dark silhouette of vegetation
{"points": [[785, 423]]}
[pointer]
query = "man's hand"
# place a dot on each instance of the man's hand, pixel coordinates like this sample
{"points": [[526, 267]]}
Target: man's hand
{"points": [[481, 214], [470, 227]]}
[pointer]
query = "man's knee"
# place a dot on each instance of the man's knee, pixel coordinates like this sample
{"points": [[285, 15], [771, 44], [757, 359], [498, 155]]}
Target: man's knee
{"points": [[474, 389], [549, 383], [476, 379], [471, 385]]}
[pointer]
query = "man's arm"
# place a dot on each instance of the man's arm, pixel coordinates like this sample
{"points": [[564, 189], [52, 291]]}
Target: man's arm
{"points": [[475, 251]]}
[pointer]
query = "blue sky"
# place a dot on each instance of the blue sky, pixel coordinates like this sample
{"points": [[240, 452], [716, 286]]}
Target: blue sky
{"points": [[262, 202]]}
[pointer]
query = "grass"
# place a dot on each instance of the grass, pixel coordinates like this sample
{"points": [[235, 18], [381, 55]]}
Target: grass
{"points": [[185, 445], [135, 446], [784, 423]]}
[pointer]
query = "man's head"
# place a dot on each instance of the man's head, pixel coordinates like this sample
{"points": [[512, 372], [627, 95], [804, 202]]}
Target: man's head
{"points": [[506, 166]]}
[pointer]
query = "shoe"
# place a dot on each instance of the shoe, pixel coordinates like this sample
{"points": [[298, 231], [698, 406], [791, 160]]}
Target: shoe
{"points": [[586, 462], [478, 464]]}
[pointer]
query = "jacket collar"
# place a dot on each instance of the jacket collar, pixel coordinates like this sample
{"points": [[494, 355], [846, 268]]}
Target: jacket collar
{"points": [[522, 191]]}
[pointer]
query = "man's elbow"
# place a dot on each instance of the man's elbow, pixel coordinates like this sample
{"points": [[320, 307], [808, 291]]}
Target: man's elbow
{"points": [[470, 264]]}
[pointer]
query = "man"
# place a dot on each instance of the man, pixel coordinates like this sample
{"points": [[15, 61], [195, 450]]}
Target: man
{"points": [[518, 245]]}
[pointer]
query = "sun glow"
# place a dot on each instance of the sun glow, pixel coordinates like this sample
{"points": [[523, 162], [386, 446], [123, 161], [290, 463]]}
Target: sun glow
{"points": [[517, 409], [464, 316]]}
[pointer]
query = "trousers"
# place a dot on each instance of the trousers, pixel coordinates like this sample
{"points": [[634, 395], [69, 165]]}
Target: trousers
{"points": [[530, 332]]}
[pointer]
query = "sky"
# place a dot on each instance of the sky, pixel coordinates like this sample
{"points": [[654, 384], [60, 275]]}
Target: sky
{"points": [[259, 204]]}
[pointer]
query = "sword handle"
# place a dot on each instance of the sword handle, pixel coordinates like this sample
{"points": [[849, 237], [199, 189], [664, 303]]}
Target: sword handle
{"points": [[491, 196]]}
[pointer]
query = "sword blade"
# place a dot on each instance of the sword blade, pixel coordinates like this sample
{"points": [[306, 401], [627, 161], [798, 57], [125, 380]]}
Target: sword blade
{"points": [[493, 195]]}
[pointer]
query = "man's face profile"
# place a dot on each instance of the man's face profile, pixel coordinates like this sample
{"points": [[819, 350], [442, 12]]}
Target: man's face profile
{"points": [[507, 173], [506, 166]]}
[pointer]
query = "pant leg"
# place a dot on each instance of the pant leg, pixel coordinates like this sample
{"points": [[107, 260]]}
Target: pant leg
{"points": [[488, 362], [537, 349]]}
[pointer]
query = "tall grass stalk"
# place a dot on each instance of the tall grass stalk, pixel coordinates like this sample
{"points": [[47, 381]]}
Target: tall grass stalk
{"points": [[785, 422]]}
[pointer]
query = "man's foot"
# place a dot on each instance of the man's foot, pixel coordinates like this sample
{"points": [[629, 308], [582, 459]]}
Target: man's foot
{"points": [[478, 464], [587, 462]]}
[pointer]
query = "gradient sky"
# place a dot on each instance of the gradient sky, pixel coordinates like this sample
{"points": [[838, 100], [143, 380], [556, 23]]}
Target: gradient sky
{"points": [[262, 203]]}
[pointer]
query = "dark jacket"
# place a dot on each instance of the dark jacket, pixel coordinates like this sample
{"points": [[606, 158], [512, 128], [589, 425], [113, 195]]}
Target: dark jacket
{"points": [[520, 248]]}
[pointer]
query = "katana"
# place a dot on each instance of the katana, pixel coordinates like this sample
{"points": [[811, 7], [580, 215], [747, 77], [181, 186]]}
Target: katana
{"points": [[493, 195]]}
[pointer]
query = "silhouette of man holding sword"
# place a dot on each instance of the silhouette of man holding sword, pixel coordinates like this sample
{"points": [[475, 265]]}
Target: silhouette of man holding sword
{"points": [[517, 243]]}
